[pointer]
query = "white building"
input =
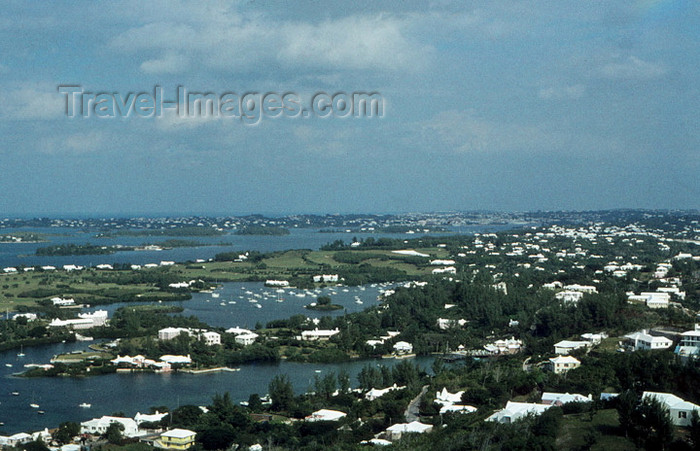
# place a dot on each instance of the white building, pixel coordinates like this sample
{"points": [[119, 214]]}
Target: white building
{"points": [[689, 346], [565, 347], [588, 289], [170, 333], [246, 339], [562, 364], [276, 283], [326, 415], [210, 338], [569, 297], [681, 411], [396, 431], [375, 393], [318, 334], [326, 278], [444, 323], [402, 348], [445, 398], [62, 302], [98, 426], [644, 341], [517, 410], [559, 399]]}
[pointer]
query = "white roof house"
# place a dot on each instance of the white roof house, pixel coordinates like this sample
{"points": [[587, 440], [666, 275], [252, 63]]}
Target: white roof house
{"points": [[446, 398], [558, 399], [394, 432], [98, 426], [15, 439], [318, 334], [148, 418], [644, 341], [211, 338], [246, 339], [326, 415], [403, 347], [457, 408], [564, 347], [375, 393], [514, 411], [170, 333], [569, 297], [681, 411], [562, 364], [690, 343]]}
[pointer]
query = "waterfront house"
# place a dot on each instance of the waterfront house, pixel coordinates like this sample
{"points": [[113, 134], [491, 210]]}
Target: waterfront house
{"points": [[170, 333], [402, 348], [318, 334], [246, 339], [16, 439], [177, 439], [681, 411], [326, 278], [140, 418], [210, 338], [514, 411], [562, 364], [98, 426]]}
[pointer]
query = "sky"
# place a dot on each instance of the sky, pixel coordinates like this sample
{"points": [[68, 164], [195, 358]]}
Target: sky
{"points": [[504, 106]]}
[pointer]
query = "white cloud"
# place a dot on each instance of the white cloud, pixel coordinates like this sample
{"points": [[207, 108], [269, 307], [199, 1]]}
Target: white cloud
{"points": [[464, 131], [31, 101], [169, 63], [359, 42], [632, 67], [74, 144], [562, 92]]}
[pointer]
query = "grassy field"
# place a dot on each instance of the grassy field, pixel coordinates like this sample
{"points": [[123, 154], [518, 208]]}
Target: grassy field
{"points": [[93, 287], [600, 433]]}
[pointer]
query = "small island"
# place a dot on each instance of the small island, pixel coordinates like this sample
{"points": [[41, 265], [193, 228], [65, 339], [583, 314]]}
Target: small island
{"points": [[262, 230], [323, 303], [91, 249]]}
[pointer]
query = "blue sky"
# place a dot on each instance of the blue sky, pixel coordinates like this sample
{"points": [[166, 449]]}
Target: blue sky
{"points": [[488, 105]]}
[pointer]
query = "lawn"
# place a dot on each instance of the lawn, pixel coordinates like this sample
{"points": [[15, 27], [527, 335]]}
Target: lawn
{"points": [[602, 431]]}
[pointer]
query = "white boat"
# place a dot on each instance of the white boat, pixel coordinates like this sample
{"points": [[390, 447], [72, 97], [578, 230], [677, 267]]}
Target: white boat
{"points": [[85, 405], [215, 295], [358, 301], [15, 393], [258, 305], [9, 365], [21, 352], [34, 405]]}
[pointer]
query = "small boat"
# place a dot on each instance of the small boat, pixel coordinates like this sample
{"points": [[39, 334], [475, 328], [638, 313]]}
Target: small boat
{"points": [[21, 352], [34, 405], [9, 365], [358, 301], [85, 405], [258, 305], [215, 295], [41, 412], [15, 393]]}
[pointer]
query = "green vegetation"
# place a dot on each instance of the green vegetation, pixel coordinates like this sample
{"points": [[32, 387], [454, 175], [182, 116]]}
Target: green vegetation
{"points": [[75, 249], [172, 231], [262, 230]]}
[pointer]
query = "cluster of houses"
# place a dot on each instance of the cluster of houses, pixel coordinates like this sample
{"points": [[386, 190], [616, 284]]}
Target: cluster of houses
{"points": [[84, 321], [209, 338], [163, 364]]}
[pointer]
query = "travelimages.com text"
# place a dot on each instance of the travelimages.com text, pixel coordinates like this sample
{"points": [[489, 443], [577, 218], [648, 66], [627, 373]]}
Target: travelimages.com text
{"points": [[250, 107]]}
